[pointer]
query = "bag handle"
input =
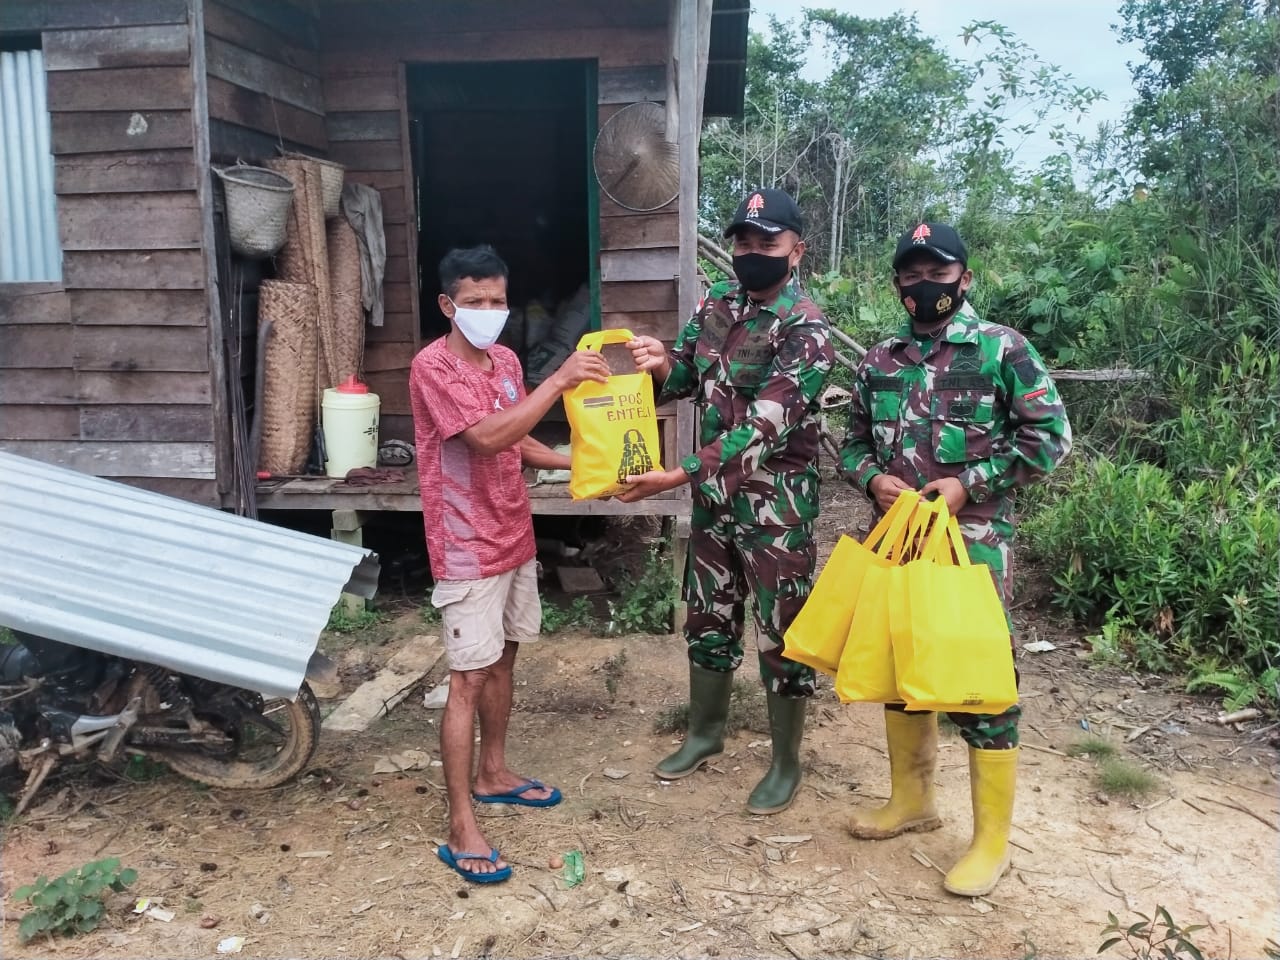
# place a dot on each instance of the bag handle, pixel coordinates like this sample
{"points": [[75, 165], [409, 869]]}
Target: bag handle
{"points": [[914, 538], [886, 537], [947, 547], [595, 339]]}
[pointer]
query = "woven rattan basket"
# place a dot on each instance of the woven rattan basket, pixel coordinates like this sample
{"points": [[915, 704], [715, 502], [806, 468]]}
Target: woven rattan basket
{"points": [[331, 177], [258, 202]]}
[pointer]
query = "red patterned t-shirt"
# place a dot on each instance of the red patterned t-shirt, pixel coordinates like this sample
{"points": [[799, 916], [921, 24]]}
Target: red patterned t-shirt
{"points": [[475, 507]]}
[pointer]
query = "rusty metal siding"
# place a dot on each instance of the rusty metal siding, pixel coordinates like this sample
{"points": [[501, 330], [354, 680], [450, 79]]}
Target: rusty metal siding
{"points": [[128, 572], [29, 248]]}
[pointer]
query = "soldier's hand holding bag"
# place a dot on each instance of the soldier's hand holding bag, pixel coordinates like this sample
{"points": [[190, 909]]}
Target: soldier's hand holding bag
{"points": [[614, 427]]}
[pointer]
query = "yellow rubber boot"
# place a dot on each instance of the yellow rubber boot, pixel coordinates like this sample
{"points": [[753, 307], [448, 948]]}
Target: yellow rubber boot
{"points": [[992, 777], [913, 751]]}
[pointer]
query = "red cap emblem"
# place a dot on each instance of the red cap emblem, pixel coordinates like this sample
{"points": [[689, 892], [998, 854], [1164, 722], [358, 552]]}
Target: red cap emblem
{"points": [[921, 234], [755, 205]]}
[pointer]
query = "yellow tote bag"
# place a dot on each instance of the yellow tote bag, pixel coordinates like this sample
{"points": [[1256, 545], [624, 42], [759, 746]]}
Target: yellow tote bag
{"points": [[613, 427], [818, 633], [956, 655], [866, 670]]}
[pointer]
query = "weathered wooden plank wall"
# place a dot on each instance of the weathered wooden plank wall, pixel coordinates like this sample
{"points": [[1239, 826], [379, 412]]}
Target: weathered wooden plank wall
{"points": [[363, 48], [108, 371], [263, 68]]}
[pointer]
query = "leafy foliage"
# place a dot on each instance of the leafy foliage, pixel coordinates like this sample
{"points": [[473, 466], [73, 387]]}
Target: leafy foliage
{"points": [[72, 903], [1149, 939], [646, 603], [577, 614]]}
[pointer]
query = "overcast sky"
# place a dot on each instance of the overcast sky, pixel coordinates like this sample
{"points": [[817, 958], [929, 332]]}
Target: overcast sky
{"points": [[1076, 36]]}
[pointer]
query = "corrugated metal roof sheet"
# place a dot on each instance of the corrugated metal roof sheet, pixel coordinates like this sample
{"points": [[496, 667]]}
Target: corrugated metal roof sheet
{"points": [[727, 59], [29, 249], [124, 571]]}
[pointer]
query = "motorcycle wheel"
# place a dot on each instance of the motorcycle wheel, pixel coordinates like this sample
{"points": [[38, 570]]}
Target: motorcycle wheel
{"points": [[260, 759]]}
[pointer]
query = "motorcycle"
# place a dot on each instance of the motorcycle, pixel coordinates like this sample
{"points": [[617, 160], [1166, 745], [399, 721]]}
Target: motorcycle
{"points": [[62, 702]]}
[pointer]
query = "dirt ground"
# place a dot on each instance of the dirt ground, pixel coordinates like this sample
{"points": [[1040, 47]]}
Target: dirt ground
{"points": [[341, 862]]}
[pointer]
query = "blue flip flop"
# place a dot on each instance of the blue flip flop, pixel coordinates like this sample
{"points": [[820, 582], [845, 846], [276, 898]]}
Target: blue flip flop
{"points": [[451, 859], [514, 796]]}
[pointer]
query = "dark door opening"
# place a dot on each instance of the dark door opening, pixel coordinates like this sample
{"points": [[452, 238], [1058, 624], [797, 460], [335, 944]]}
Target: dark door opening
{"points": [[500, 155]]}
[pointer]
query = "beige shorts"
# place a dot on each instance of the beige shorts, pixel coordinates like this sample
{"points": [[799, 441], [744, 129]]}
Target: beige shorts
{"points": [[478, 617]]}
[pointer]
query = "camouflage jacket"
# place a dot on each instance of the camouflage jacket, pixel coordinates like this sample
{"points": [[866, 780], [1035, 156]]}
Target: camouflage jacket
{"points": [[976, 403], [755, 372]]}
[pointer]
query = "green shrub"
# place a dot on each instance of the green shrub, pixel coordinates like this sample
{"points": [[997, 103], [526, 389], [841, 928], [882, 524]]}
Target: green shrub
{"points": [[73, 902], [646, 603], [1179, 576]]}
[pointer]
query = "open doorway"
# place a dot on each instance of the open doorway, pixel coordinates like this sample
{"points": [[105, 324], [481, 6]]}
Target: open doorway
{"points": [[500, 156]]}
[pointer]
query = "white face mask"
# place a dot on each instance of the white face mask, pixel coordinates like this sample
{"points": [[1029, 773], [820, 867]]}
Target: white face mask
{"points": [[481, 327]]}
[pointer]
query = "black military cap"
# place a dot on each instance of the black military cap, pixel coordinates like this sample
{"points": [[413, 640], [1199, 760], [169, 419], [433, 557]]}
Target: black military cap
{"points": [[937, 239], [769, 210]]}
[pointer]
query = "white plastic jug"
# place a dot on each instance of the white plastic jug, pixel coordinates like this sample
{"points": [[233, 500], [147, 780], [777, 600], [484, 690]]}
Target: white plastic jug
{"points": [[350, 424]]}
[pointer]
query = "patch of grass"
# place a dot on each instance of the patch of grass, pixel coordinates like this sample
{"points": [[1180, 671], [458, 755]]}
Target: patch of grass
{"points": [[429, 614], [577, 614], [613, 670], [1099, 748], [748, 710], [343, 621], [1122, 778], [142, 769]]}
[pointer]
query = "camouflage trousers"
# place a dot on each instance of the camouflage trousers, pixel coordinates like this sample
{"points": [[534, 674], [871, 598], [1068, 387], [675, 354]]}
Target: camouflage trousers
{"points": [[985, 731], [729, 562]]}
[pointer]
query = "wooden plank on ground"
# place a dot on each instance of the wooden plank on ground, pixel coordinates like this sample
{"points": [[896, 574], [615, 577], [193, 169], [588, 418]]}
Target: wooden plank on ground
{"points": [[126, 88], [134, 269], [177, 308], [130, 221], [376, 697], [116, 386], [120, 131], [111, 459], [143, 171], [51, 306], [111, 47]]}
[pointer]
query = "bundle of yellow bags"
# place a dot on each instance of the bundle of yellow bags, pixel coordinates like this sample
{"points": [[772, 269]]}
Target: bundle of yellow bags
{"points": [[905, 617]]}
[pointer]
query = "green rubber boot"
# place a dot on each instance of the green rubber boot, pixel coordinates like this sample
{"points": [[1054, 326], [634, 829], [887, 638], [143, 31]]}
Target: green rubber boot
{"points": [[708, 713], [775, 792]]}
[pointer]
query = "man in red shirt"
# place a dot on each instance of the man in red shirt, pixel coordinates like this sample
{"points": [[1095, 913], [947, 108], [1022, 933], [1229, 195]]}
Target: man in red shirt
{"points": [[472, 421]]}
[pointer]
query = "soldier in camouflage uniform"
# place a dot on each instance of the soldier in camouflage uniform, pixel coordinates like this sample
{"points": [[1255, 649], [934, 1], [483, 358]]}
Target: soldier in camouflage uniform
{"points": [[965, 409], [755, 357]]}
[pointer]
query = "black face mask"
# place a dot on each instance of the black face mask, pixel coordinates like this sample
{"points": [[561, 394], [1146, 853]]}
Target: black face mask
{"points": [[933, 301], [758, 271]]}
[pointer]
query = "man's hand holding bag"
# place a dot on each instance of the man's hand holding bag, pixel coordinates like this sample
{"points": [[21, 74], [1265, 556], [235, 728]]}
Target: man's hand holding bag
{"points": [[614, 427]]}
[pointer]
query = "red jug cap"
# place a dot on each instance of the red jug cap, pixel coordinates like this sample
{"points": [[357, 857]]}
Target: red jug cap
{"points": [[352, 385]]}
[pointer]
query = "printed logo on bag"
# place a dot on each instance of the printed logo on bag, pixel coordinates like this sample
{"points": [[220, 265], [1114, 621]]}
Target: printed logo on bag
{"points": [[510, 388], [635, 456], [621, 407]]}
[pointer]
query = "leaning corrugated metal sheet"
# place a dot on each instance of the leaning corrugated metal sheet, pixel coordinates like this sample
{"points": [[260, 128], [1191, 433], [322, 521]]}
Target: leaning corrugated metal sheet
{"points": [[136, 574]]}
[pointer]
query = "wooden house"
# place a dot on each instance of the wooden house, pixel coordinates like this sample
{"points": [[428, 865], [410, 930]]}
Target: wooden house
{"points": [[474, 119]]}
